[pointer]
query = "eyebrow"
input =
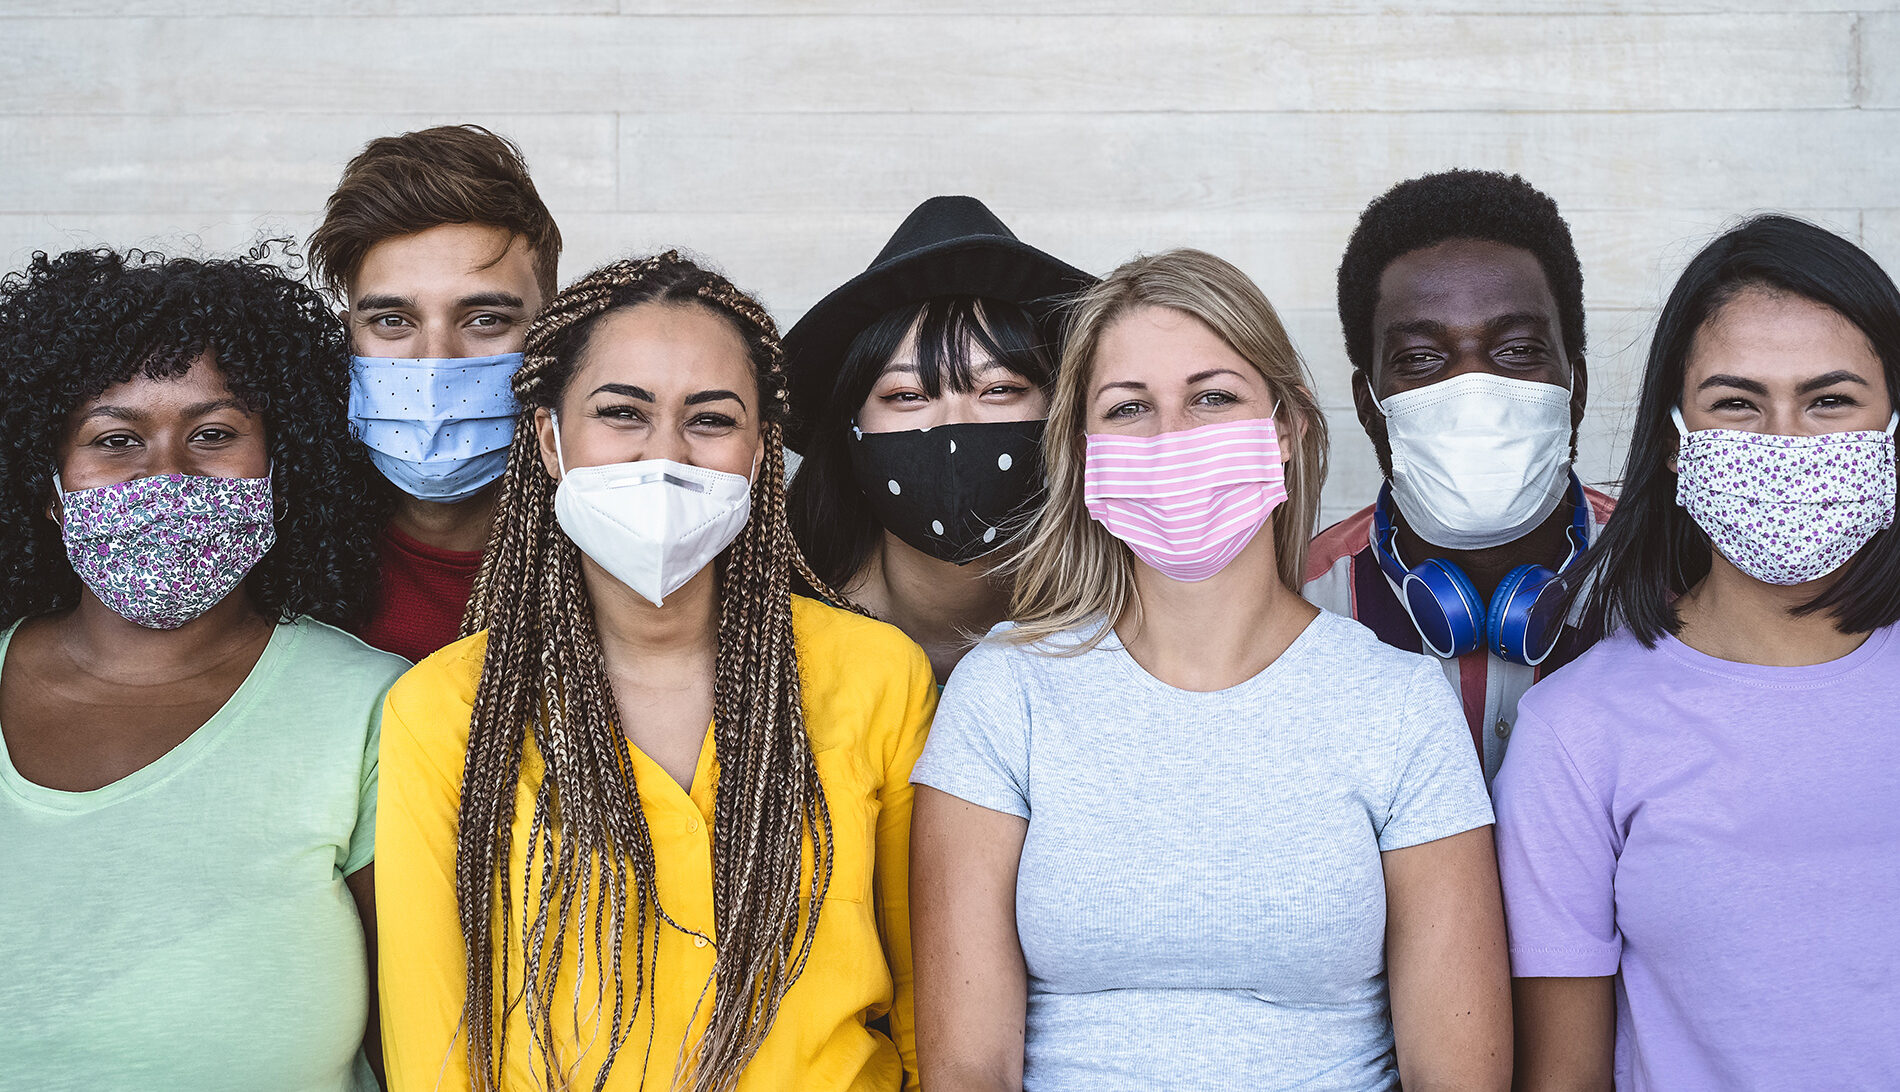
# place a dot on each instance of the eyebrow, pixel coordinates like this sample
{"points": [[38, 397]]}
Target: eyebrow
{"points": [[1838, 376], [383, 302], [1434, 328], [627, 389], [713, 396], [1735, 381], [127, 413], [490, 299]]}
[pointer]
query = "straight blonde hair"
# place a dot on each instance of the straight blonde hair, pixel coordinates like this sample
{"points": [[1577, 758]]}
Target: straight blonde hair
{"points": [[1071, 571]]}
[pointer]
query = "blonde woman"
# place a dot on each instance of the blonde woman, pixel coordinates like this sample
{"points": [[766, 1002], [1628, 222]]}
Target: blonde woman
{"points": [[647, 828], [1177, 828]]}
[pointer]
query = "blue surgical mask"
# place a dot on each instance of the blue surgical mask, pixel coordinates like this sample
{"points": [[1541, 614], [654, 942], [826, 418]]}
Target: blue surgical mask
{"points": [[439, 429]]}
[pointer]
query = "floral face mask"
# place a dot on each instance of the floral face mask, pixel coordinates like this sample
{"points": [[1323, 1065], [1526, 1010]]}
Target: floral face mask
{"points": [[162, 550], [1787, 509]]}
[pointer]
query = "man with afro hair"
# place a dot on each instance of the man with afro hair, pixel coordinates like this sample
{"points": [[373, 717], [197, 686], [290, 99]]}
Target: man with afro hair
{"points": [[1462, 302]]}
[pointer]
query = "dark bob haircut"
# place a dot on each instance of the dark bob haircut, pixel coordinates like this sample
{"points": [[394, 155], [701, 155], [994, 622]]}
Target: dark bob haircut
{"points": [[830, 516], [1460, 204], [1651, 551], [74, 325]]}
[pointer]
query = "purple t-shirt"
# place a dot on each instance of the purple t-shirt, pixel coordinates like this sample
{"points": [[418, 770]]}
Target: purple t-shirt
{"points": [[1726, 836]]}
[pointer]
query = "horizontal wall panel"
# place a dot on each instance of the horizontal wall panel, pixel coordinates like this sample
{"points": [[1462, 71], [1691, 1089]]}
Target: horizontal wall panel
{"points": [[937, 64]]}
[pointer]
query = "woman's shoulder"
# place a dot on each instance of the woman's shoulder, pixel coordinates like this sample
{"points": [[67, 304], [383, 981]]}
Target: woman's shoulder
{"points": [[321, 654], [435, 697], [831, 638]]}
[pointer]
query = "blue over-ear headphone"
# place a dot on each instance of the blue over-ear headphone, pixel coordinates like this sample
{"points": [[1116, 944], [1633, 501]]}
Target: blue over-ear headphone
{"points": [[1525, 616]]}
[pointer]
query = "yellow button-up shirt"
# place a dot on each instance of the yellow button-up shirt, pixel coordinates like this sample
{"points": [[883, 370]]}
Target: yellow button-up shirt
{"points": [[868, 695]]}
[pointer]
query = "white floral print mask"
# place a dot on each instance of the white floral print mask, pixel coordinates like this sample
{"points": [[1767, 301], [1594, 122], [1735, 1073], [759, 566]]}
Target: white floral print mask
{"points": [[1787, 509]]}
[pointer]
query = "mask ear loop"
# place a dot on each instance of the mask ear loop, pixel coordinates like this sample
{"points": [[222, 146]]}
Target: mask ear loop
{"points": [[559, 459]]}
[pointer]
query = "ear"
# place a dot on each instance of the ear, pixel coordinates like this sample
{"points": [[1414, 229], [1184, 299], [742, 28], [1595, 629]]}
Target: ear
{"points": [[544, 426], [1371, 419], [1289, 425]]}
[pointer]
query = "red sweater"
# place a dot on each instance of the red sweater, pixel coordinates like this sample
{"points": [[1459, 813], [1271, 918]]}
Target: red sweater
{"points": [[419, 608]]}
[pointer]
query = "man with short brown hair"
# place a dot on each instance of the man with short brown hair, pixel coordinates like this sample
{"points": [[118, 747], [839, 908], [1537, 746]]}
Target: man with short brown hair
{"points": [[441, 252]]}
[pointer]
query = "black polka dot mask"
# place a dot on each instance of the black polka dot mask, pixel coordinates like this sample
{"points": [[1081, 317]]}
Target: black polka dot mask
{"points": [[438, 429], [956, 492]]}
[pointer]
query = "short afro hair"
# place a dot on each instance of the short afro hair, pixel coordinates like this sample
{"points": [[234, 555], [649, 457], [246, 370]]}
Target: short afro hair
{"points": [[1458, 204], [74, 325]]}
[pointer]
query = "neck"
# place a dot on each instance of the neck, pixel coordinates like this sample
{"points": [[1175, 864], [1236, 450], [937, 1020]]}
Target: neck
{"points": [[636, 635], [939, 605], [1546, 544], [1218, 632], [463, 525], [106, 644], [1733, 616]]}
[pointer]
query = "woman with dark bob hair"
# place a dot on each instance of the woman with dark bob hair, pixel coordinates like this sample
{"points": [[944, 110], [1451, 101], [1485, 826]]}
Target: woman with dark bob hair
{"points": [[187, 748], [647, 827], [920, 388], [1698, 820]]}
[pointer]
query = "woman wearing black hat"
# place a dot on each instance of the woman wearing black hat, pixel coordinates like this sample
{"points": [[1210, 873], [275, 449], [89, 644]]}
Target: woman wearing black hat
{"points": [[919, 390]]}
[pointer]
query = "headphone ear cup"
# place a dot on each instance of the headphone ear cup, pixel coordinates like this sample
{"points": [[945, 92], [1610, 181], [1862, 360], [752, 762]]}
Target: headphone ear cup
{"points": [[1445, 607], [1517, 627]]}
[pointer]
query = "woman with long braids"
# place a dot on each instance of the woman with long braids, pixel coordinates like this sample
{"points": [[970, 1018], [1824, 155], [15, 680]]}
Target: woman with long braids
{"points": [[584, 885]]}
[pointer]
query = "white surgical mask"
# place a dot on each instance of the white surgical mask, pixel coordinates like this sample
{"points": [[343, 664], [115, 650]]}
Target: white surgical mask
{"points": [[653, 524], [1478, 459]]}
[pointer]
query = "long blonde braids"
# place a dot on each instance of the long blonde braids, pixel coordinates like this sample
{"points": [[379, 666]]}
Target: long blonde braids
{"points": [[590, 860]]}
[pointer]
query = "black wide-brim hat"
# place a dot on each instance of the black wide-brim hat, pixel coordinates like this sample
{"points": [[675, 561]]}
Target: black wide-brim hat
{"points": [[948, 246]]}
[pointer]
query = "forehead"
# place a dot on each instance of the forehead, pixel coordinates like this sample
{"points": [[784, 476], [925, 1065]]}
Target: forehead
{"points": [[1155, 344], [448, 259], [1773, 336], [1463, 282], [680, 347]]}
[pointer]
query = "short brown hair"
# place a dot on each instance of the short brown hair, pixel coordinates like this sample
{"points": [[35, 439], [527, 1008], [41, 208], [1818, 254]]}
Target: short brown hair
{"points": [[451, 174]]}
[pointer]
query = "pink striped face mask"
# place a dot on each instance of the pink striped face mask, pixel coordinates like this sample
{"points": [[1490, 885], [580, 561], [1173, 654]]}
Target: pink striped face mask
{"points": [[1186, 502]]}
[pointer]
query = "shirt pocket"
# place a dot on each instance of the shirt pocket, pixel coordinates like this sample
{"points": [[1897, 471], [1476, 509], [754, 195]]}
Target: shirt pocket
{"points": [[851, 795]]}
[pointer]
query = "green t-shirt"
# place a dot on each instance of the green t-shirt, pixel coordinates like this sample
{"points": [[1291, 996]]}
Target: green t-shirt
{"points": [[187, 927]]}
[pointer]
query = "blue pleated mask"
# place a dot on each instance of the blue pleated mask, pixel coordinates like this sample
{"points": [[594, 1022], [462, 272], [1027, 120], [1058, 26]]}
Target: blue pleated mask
{"points": [[438, 428]]}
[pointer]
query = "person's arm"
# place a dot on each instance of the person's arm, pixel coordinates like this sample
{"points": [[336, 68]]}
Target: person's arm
{"points": [[1446, 965], [362, 885], [422, 971], [1566, 1034], [892, 871], [972, 988]]}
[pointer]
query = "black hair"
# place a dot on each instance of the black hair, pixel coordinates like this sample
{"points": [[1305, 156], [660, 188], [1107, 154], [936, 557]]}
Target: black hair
{"points": [[73, 325], [1458, 204], [830, 517], [1651, 550]]}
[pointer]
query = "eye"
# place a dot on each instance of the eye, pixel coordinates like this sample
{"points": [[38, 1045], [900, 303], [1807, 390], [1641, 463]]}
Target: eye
{"points": [[1215, 398], [1122, 411], [389, 322], [116, 441], [1836, 401], [214, 434], [1005, 390], [490, 321], [1732, 405], [621, 412], [903, 397], [710, 420]]}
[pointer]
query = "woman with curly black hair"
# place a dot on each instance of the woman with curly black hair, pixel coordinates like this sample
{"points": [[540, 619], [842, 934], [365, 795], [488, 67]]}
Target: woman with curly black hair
{"points": [[187, 748]]}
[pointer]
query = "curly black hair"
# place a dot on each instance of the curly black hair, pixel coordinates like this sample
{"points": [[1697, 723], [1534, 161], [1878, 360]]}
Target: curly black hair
{"points": [[73, 325], [1458, 204]]}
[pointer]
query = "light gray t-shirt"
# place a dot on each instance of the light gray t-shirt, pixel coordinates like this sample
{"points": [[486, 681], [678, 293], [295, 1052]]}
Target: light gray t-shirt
{"points": [[1200, 900]]}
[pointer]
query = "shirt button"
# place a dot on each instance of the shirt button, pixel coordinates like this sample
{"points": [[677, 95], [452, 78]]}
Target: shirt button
{"points": [[1504, 728], [692, 824], [699, 942]]}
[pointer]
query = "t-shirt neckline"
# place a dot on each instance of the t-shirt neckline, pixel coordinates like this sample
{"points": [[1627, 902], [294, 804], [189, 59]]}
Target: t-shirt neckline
{"points": [[277, 650], [1802, 676], [1286, 660]]}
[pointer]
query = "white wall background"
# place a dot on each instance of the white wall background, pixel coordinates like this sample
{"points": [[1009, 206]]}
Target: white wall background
{"points": [[785, 139]]}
